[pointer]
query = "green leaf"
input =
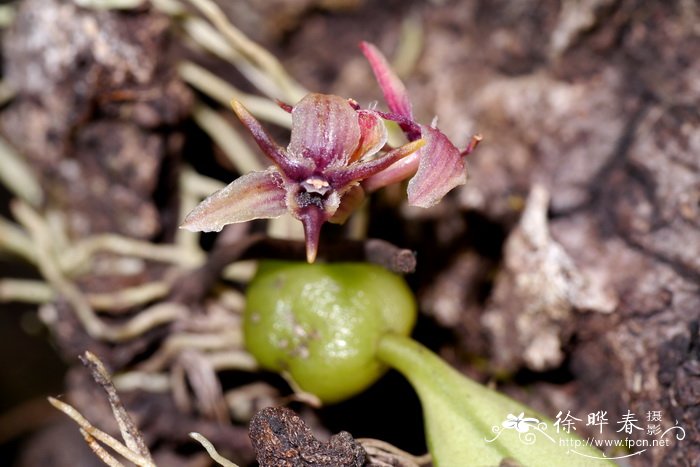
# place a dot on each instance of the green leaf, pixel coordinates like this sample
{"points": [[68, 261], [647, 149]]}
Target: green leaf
{"points": [[464, 420]]}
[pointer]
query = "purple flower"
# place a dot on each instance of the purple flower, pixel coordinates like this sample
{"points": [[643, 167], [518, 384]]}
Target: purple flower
{"points": [[332, 160], [327, 156], [438, 166]]}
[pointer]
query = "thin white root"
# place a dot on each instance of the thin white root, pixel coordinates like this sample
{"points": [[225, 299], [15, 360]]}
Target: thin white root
{"points": [[25, 290], [237, 151], [141, 380], [223, 92], [85, 249], [130, 297], [99, 451], [256, 55], [384, 453], [17, 176], [211, 450], [109, 4], [204, 36], [145, 320]]}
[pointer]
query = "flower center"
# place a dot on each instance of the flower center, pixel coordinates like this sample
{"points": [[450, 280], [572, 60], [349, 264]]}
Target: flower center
{"points": [[314, 191], [316, 185]]}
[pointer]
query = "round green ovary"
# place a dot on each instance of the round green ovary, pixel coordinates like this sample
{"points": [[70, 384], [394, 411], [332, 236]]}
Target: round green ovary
{"points": [[322, 322]]}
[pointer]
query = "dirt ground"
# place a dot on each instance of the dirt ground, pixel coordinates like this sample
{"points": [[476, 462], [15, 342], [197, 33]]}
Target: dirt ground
{"points": [[566, 272]]}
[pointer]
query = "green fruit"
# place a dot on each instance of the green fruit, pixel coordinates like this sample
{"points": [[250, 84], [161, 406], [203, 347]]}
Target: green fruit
{"points": [[322, 322]]}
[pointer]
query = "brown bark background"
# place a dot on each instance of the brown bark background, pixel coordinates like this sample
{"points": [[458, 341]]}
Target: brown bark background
{"points": [[567, 269]]}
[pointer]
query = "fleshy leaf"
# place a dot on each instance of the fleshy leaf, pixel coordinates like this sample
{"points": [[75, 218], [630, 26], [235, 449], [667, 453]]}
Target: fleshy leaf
{"points": [[325, 129], [393, 89], [373, 134], [257, 195], [441, 167], [460, 416]]}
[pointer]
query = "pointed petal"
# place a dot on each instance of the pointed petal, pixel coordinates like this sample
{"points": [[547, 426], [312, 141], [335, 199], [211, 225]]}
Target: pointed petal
{"points": [[441, 167], [399, 171], [325, 129], [312, 217], [257, 195], [473, 143], [410, 128], [365, 169], [271, 149], [350, 201], [373, 134], [284, 106], [393, 89]]}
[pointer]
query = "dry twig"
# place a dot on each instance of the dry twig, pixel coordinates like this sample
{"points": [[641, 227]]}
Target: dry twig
{"points": [[135, 449], [129, 432]]}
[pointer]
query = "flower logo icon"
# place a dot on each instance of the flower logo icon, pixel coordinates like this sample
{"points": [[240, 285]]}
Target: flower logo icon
{"points": [[520, 423]]}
